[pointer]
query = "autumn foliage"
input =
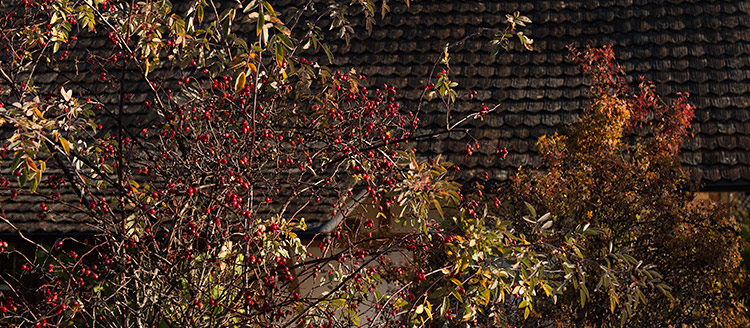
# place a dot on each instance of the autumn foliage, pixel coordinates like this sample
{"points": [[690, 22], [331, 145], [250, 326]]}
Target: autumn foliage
{"points": [[232, 179], [619, 169]]}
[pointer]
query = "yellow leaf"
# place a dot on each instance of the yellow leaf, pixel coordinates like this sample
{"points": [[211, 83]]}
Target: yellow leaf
{"points": [[38, 114], [31, 165], [148, 66], [239, 83], [65, 145], [438, 207]]}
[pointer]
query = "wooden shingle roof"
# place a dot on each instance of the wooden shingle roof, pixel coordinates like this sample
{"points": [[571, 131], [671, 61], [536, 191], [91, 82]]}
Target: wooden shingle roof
{"points": [[696, 46]]}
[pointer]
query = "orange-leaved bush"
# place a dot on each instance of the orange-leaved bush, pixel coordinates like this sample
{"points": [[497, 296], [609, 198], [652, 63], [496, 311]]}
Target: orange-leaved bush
{"points": [[619, 169]]}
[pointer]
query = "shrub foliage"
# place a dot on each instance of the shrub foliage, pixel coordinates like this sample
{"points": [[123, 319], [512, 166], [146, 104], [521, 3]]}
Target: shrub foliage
{"points": [[199, 195]]}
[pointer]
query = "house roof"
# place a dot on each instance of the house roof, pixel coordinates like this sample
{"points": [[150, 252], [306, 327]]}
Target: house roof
{"points": [[696, 46]]}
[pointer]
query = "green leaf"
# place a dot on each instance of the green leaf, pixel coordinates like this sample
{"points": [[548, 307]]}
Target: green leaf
{"points": [[199, 13], [260, 24], [663, 289], [23, 178], [531, 209], [329, 55], [438, 208], [468, 312], [582, 296], [485, 296], [457, 295], [269, 8], [17, 161], [34, 183], [612, 301]]}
